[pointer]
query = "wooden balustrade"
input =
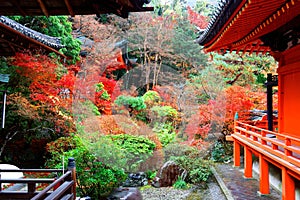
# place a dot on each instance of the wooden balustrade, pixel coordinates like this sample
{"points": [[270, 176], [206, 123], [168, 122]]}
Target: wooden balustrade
{"points": [[283, 146], [279, 149], [63, 187]]}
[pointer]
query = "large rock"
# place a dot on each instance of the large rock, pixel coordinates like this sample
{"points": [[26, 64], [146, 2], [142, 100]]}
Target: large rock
{"points": [[126, 193], [168, 175]]}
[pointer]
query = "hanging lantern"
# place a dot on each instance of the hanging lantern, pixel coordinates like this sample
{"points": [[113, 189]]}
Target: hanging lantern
{"points": [[4, 78]]}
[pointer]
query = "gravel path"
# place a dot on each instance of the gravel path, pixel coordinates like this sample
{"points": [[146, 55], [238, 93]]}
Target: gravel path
{"points": [[213, 191]]}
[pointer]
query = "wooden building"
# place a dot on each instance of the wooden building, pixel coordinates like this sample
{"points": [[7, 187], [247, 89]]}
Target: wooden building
{"points": [[71, 7], [259, 26]]}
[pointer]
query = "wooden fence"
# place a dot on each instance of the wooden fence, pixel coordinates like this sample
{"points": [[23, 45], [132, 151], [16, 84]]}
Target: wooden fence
{"points": [[63, 187]]}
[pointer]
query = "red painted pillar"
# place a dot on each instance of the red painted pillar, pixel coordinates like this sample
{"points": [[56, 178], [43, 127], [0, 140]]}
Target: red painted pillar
{"points": [[288, 186], [236, 153], [248, 163], [264, 185]]}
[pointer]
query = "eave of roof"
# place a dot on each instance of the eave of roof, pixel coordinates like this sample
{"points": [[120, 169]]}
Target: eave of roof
{"points": [[71, 7], [14, 37], [238, 24]]}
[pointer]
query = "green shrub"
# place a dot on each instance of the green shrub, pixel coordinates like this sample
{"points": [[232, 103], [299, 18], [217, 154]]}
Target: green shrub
{"points": [[137, 149], [150, 174], [151, 97], [94, 178], [176, 150], [136, 103], [180, 184], [57, 148], [197, 168], [164, 112], [221, 152], [108, 152], [165, 133]]}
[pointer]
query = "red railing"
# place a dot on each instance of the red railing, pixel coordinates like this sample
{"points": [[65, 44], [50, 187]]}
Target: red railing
{"points": [[279, 147]]}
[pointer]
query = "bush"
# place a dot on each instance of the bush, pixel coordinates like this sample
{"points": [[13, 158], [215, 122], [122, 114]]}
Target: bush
{"points": [[137, 149], [164, 113], [198, 169], [55, 149], [94, 178], [165, 133], [151, 97], [136, 103], [180, 184], [176, 150], [221, 152]]}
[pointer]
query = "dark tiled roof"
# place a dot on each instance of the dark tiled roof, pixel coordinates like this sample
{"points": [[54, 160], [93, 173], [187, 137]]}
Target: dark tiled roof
{"points": [[15, 37], [53, 42], [223, 12]]}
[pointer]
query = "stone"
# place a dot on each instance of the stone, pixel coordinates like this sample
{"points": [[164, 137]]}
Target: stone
{"points": [[136, 180], [126, 193], [168, 175]]}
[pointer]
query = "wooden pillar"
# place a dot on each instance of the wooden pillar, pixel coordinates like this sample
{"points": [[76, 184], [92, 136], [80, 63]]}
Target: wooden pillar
{"points": [[72, 168], [264, 185], [288, 186], [270, 102], [248, 163], [236, 153]]}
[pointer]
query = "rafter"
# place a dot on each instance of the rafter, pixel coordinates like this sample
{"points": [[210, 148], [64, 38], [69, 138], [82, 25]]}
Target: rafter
{"points": [[70, 9], [43, 7]]}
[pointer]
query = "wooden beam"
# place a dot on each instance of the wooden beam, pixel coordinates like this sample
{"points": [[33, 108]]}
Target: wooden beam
{"points": [[43, 7], [70, 9]]}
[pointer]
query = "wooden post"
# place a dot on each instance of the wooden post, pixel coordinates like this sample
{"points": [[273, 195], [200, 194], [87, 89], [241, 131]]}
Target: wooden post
{"points": [[236, 153], [72, 168], [270, 102], [264, 185], [288, 186], [248, 163]]}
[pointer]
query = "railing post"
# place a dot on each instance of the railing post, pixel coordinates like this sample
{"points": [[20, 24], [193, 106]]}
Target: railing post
{"points": [[264, 185], [288, 186], [72, 168], [236, 153], [31, 187], [263, 135], [288, 143], [248, 163]]}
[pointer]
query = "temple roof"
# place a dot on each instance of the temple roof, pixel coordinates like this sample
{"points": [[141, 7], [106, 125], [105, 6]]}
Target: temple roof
{"points": [[252, 26], [71, 7], [15, 37]]}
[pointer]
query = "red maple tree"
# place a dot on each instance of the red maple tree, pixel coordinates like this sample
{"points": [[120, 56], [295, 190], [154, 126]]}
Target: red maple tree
{"points": [[197, 19]]}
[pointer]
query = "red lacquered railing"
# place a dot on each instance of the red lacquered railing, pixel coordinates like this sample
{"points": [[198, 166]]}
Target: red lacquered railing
{"points": [[279, 147]]}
